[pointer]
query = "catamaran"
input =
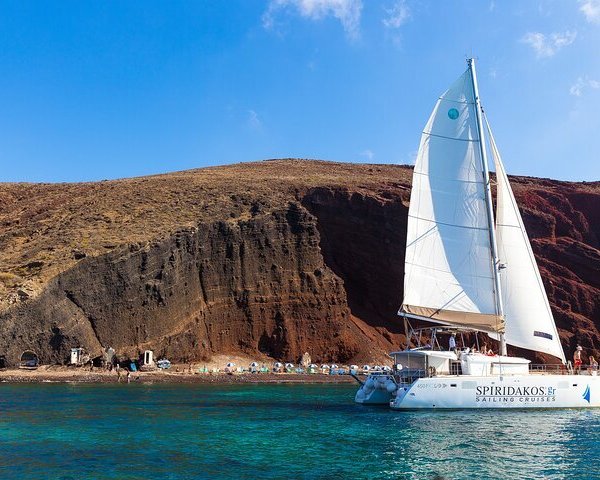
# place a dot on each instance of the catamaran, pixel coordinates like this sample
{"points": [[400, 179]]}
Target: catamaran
{"points": [[467, 273]]}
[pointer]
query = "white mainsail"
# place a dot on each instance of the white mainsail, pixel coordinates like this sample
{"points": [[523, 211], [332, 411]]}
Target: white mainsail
{"points": [[449, 276], [529, 320]]}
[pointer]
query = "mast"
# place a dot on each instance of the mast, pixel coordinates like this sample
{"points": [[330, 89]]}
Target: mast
{"points": [[488, 198]]}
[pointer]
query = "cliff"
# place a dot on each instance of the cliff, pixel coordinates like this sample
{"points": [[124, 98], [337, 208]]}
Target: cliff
{"points": [[276, 257]]}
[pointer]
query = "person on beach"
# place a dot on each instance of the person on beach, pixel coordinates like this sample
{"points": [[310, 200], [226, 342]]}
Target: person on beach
{"points": [[128, 376], [577, 359]]}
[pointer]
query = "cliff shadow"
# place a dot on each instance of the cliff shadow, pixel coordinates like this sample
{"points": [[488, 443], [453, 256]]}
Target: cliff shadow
{"points": [[363, 240]]}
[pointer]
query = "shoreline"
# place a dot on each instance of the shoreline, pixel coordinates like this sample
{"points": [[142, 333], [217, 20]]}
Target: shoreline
{"points": [[60, 374]]}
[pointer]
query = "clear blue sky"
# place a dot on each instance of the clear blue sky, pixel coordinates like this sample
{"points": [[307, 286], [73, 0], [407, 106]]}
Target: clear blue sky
{"points": [[100, 89]]}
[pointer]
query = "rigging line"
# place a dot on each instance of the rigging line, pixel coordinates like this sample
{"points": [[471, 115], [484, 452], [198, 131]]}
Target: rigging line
{"points": [[420, 237], [447, 179], [449, 138], [446, 224], [507, 225], [455, 101], [449, 302], [458, 284]]}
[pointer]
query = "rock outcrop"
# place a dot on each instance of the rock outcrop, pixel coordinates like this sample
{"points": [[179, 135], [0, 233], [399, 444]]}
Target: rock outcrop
{"points": [[276, 258]]}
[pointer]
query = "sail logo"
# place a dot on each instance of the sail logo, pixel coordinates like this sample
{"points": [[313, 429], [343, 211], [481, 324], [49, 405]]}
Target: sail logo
{"points": [[453, 114], [586, 394], [510, 394], [542, 335]]}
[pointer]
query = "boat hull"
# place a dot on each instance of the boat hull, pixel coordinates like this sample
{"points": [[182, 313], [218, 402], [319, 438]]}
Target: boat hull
{"points": [[515, 391]]}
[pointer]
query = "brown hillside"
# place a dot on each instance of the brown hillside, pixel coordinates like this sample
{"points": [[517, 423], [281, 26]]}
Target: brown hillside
{"points": [[278, 257]]}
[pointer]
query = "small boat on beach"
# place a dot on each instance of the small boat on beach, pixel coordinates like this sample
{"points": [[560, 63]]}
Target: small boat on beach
{"points": [[469, 272]]}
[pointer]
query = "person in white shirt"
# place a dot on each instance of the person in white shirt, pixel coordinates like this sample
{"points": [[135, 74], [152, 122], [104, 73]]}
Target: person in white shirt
{"points": [[452, 342]]}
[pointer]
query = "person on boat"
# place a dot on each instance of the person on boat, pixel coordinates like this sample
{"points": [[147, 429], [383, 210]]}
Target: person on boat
{"points": [[452, 342], [593, 366], [487, 351], [577, 359]]}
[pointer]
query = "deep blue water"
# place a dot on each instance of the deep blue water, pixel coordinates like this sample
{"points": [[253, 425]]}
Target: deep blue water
{"points": [[62, 431]]}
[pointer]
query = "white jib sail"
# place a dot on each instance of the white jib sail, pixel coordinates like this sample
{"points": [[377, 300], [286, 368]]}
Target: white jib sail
{"points": [[448, 274], [529, 320]]}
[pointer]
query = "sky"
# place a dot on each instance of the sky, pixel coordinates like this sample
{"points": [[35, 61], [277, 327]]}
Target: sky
{"points": [[95, 90]]}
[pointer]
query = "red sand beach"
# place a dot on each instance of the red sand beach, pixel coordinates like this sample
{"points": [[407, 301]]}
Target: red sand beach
{"points": [[84, 375]]}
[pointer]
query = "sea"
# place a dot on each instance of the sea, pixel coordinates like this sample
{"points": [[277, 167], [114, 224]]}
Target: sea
{"points": [[277, 431]]}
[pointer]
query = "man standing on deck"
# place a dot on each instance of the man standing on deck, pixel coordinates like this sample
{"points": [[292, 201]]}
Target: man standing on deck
{"points": [[452, 342], [577, 359]]}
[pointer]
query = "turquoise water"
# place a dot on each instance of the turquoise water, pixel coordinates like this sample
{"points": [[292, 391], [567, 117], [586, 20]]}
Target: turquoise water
{"points": [[59, 431]]}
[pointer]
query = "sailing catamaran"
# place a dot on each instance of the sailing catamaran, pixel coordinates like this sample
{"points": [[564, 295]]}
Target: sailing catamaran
{"points": [[466, 271]]}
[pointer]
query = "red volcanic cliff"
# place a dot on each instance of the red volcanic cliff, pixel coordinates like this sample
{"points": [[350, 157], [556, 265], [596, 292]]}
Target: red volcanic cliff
{"points": [[276, 257]]}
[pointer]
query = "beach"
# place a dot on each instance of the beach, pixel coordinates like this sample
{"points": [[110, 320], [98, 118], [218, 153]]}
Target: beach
{"points": [[176, 374]]}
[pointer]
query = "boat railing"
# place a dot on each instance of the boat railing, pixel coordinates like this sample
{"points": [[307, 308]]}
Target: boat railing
{"points": [[562, 369], [554, 369]]}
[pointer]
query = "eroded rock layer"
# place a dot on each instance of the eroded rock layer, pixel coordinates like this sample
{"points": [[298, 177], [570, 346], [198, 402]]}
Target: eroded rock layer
{"points": [[274, 258]]}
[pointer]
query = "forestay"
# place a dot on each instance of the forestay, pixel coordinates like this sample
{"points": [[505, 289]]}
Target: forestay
{"points": [[529, 320], [449, 274]]}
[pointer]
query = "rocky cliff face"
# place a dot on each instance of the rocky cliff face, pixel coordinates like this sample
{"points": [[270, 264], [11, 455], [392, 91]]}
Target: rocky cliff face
{"points": [[275, 258]]}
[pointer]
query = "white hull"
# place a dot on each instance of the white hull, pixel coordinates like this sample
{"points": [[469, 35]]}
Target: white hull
{"points": [[514, 391]]}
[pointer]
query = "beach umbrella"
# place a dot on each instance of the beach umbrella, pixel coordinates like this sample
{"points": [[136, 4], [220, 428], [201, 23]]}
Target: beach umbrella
{"points": [[164, 364], [334, 366], [254, 364], [312, 365], [386, 368], [289, 365], [278, 365], [325, 366], [230, 364], [353, 367], [366, 368]]}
